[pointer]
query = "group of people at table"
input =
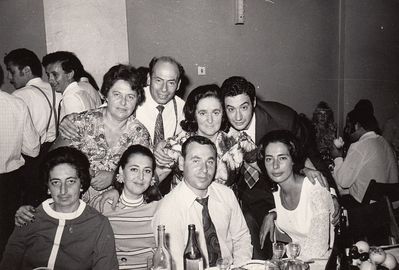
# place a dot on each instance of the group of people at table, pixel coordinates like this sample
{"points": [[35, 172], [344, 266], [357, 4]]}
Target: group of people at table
{"points": [[245, 155]]}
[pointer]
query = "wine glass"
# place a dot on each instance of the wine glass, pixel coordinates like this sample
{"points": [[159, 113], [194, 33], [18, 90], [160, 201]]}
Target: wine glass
{"points": [[293, 250], [278, 250]]}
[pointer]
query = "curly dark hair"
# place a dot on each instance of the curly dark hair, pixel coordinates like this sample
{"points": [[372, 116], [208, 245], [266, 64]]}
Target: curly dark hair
{"points": [[71, 156], [190, 124], [237, 85], [126, 73], [286, 137], [153, 192]]}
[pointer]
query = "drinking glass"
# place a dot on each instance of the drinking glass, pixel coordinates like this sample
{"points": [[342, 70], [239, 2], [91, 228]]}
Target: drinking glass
{"points": [[271, 265], [278, 250], [293, 250], [150, 263]]}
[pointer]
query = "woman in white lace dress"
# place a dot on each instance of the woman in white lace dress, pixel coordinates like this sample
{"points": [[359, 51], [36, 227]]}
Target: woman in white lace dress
{"points": [[303, 209]]}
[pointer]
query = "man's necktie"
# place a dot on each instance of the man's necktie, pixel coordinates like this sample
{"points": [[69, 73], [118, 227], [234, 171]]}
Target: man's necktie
{"points": [[158, 131], [58, 119], [211, 238]]}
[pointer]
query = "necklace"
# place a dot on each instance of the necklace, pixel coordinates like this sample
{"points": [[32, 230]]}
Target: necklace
{"points": [[131, 202]]}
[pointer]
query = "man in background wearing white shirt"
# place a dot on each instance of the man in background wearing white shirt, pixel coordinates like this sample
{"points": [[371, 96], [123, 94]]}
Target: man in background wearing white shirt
{"points": [[25, 72], [18, 136], [64, 71]]}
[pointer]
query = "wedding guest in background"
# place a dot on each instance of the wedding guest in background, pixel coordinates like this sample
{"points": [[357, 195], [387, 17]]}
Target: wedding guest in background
{"points": [[326, 130], [67, 233], [369, 157], [303, 209], [18, 136], [25, 72], [64, 71], [199, 200]]}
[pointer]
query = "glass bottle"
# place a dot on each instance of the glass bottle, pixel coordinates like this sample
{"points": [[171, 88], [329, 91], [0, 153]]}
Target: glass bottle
{"points": [[162, 258], [193, 259]]}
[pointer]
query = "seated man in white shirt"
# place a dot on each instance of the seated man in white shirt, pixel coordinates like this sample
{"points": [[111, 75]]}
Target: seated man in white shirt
{"points": [[64, 71], [370, 157], [179, 208]]}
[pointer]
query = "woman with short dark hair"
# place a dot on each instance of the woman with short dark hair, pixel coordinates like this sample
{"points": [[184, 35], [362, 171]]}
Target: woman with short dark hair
{"points": [[67, 233]]}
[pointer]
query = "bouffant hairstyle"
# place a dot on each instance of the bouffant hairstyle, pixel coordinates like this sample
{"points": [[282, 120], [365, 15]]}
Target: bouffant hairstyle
{"points": [[190, 124], [71, 156], [287, 138], [126, 73]]}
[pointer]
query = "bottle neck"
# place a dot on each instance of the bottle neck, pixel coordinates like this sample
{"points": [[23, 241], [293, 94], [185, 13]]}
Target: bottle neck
{"points": [[161, 237]]}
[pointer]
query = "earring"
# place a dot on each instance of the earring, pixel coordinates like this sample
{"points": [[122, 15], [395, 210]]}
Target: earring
{"points": [[119, 178], [81, 189], [48, 192], [153, 181]]}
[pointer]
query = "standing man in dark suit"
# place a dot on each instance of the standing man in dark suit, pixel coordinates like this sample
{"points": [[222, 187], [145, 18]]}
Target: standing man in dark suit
{"points": [[255, 117]]}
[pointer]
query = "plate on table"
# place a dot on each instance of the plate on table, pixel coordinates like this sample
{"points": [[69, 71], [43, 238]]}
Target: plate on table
{"points": [[253, 265]]}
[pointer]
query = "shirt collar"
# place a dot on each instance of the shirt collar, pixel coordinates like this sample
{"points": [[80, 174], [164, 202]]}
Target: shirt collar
{"points": [[34, 80], [250, 131], [188, 196], [368, 134], [72, 87], [58, 215]]}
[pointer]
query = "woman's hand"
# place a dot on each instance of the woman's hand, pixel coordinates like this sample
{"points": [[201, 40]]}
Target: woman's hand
{"points": [[67, 128], [102, 199], [102, 180], [162, 159], [314, 175], [267, 228], [24, 214]]}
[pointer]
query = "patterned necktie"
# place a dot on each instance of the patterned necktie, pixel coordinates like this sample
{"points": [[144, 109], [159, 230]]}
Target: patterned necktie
{"points": [[58, 119], [158, 131], [211, 238]]}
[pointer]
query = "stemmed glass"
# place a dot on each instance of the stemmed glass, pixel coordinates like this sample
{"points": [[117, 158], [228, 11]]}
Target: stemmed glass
{"points": [[293, 250], [278, 250]]}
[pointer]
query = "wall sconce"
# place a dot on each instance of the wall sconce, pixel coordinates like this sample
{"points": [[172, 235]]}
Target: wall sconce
{"points": [[239, 12]]}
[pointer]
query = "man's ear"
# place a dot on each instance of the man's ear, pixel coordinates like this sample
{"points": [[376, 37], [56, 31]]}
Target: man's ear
{"points": [[27, 71], [181, 163], [254, 105], [178, 85], [70, 75], [148, 78]]}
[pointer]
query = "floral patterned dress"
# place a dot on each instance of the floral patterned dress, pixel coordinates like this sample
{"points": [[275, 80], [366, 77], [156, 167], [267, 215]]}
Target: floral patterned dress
{"points": [[232, 152], [93, 143]]}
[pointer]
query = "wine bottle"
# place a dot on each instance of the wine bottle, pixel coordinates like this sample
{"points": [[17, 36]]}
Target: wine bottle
{"points": [[162, 258], [193, 259]]}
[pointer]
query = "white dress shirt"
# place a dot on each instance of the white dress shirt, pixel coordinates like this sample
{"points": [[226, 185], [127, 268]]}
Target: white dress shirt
{"points": [[75, 100], [39, 107], [369, 158], [179, 208], [147, 114], [17, 133]]}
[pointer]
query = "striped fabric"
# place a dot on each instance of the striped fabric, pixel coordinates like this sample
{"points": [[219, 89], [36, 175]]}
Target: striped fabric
{"points": [[134, 237]]}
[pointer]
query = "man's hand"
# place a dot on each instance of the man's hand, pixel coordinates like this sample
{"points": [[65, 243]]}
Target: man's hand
{"points": [[67, 128], [24, 215], [337, 211], [102, 199], [162, 159], [267, 228], [102, 180], [314, 175]]}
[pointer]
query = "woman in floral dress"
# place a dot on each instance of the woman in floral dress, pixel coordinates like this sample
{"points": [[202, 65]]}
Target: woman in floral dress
{"points": [[204, 115], [106, 132]]}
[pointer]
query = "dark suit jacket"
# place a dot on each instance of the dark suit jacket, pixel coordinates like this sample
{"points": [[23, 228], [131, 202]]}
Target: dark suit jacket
{"points": [[269, 116]]}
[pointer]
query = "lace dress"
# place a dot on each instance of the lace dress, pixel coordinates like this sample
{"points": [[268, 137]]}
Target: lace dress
{"points": [[309, 223], [92, 142]]}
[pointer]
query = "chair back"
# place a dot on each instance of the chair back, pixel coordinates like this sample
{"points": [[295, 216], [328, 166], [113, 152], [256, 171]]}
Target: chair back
{"points": [[375, 222]]}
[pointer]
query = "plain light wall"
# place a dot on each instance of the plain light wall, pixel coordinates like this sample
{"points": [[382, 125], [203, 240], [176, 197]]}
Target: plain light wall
{"points": [[21, 26], [95, 30], [372, 56], [288, 50]]}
